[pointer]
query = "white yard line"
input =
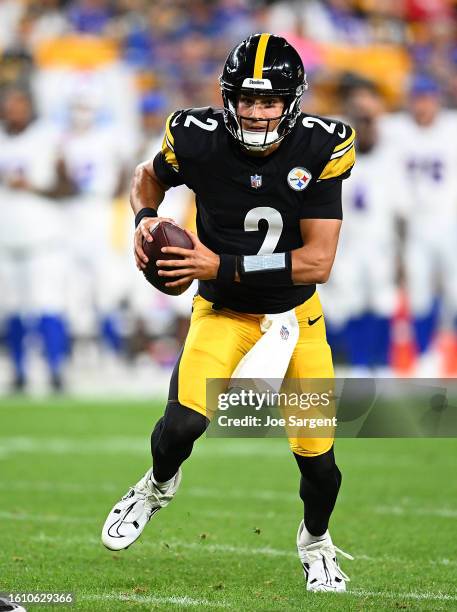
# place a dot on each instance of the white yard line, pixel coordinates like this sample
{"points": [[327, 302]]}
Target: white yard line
{"points": [[190, 602], [185, 601], [228, 548], [152, 599], [129, 445], [400, 561], [204, 546], [69, 487], [420, 596], [139, 445], [45, 518], [408, 511], [409, 508]]}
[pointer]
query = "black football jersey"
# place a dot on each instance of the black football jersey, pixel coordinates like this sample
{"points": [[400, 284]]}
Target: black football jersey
{"points": [[249, 205]]}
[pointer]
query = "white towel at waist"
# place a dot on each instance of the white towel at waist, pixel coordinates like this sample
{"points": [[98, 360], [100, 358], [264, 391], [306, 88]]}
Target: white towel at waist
{"points": [[269, 358]]}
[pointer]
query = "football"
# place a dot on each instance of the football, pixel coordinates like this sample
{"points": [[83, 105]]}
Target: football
{"points": [[164, 234]]}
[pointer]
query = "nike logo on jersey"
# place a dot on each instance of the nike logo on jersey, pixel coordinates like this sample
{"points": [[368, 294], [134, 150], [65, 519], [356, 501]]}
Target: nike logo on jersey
{"points": [[342, 134], [312, 321]]}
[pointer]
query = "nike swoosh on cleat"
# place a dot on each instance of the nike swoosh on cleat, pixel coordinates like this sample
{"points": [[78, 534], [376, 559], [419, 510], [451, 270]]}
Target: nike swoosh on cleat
{"points": [[312, 321], [119, 522]]}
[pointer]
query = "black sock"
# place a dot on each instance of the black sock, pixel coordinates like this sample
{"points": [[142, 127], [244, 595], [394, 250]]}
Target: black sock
{"points": [[319, 486]]}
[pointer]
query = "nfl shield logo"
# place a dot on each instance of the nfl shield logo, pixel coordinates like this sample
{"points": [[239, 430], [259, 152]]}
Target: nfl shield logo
{"points": [[256, 181], [284, 332]]}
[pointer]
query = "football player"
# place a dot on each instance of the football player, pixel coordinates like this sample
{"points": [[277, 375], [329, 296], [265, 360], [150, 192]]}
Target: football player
{"points": [[425, 139], [95, 163], [267, 180], [362, 291], [32, 265]]}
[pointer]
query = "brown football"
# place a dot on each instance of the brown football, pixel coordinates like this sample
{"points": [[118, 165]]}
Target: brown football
{"points": [[164, 233]]}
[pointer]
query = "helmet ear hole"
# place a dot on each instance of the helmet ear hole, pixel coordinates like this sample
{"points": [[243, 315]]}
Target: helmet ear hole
{"points": [[263, 64]]}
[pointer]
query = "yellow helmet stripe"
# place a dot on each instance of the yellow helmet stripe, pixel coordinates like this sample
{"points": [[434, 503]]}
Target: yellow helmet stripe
{"points": [[260, 56]]}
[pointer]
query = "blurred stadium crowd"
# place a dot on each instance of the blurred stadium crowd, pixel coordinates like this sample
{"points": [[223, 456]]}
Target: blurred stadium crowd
{"points": [[85, 88]]}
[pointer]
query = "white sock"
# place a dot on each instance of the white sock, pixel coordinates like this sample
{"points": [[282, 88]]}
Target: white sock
{"points": [[307, 538], [162, 486]]}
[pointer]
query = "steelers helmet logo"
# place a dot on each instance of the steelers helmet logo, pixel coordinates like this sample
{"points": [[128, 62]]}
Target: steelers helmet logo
{"points": [[299, 178]]}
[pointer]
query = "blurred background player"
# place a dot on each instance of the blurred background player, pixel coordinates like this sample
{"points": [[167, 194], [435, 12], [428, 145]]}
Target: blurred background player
{"points": [[426, 143], [96, 164], [361, 297], [32, 255]]}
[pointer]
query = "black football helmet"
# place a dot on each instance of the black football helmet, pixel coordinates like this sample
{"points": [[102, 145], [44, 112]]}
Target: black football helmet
{"points": [[262, 65]]}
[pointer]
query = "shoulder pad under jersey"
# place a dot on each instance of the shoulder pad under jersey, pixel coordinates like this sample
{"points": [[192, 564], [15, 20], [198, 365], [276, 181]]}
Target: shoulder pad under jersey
{"points": [[333, 142], [192, 133]]}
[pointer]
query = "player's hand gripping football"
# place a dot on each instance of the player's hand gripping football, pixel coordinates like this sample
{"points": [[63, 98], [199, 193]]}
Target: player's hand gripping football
{"points": [[198, 263], [143, 232]]}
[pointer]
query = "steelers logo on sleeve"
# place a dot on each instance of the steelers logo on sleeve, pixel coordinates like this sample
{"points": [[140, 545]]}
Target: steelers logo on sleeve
{"points": [[299, 178]]}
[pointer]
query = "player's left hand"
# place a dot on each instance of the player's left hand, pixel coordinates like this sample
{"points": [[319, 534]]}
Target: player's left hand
{"points": [[198, 263]]}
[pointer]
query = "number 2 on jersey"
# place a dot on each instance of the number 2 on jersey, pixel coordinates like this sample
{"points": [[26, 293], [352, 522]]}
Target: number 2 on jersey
{"points": [[210, 126], [275, 225]]}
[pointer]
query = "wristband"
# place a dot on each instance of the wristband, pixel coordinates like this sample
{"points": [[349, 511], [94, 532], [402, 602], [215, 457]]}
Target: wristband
{"points": [[227, 268], [271, 269], [145, 212]]}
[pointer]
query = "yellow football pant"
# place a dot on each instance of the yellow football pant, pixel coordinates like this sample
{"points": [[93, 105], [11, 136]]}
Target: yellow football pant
{"points": [[218, 339]]}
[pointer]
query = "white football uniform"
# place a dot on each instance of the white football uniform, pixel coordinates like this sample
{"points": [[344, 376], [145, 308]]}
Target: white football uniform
{"points": [[32, 265], [94, 162], [427, 157], [363, 275]]}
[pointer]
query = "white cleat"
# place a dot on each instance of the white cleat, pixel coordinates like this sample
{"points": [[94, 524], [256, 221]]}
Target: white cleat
{"points": [[128, 518], [8, 606], [321, 569]]}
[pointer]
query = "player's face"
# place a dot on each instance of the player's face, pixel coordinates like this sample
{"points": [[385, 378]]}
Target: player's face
{"points": [[363, 108], [261, 113], [425, 108], [367, 133], [16, 111], [82, 116]]}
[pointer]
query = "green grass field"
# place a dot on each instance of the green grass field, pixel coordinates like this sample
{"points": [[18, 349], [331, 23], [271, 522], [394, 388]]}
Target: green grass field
{"points": [[228, 539]]}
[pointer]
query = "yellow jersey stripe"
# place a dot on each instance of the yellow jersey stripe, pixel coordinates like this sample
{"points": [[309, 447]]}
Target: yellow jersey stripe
{"points": [[169, 154], [346, 142], [260, 56], [168, 146], [340, 165], [342, 152], [168, 133]]}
